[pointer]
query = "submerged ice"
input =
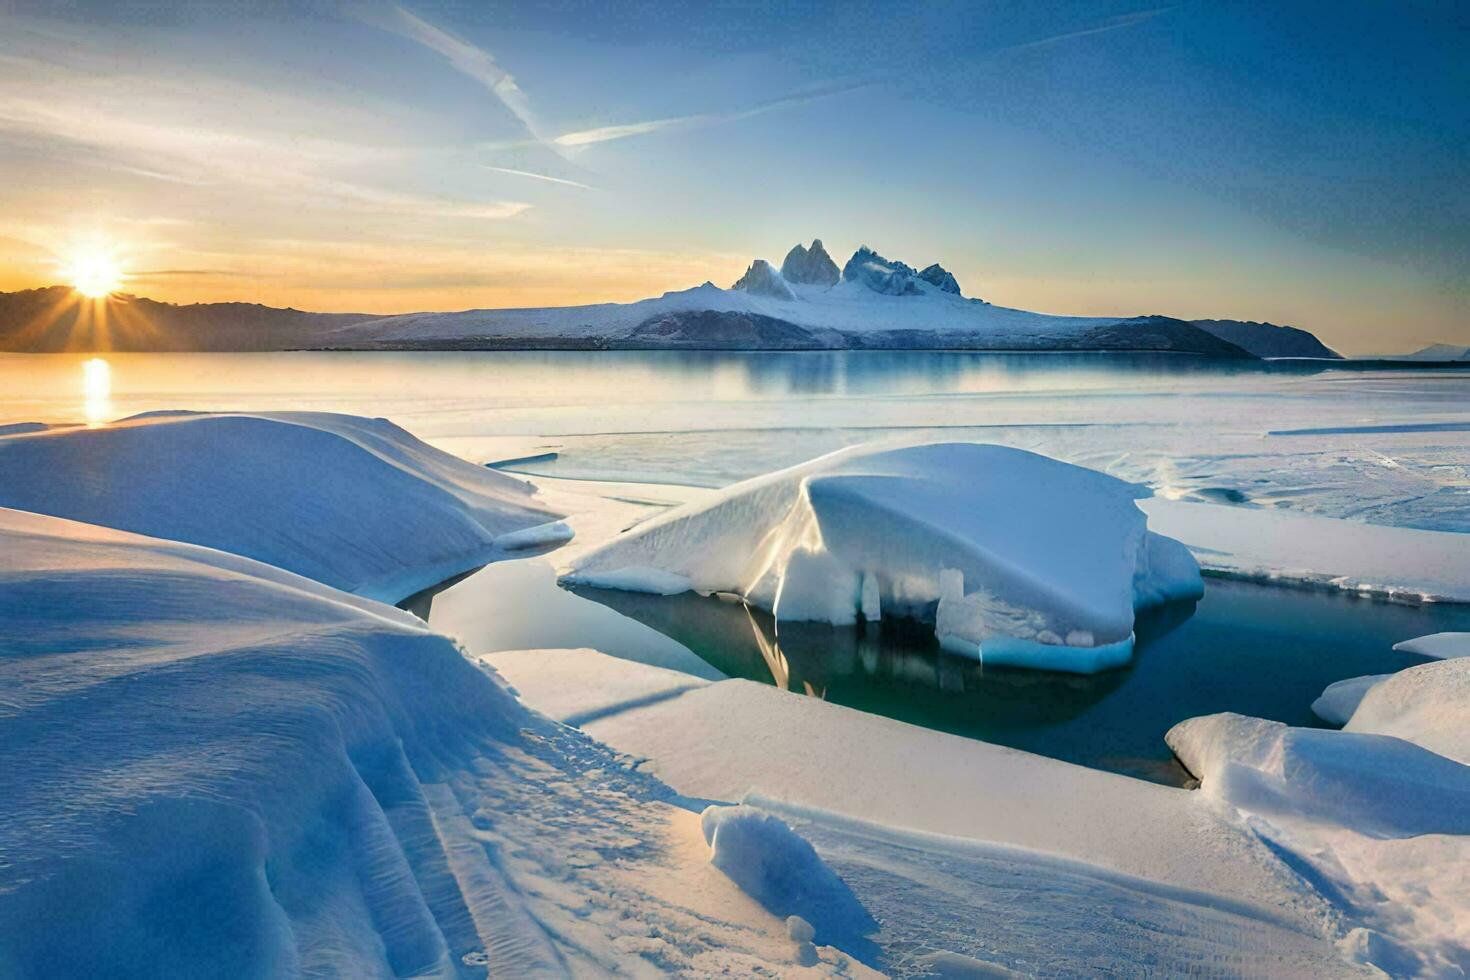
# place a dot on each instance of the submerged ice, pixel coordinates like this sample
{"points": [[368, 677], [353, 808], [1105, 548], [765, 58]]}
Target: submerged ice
{"points": [[1014, 557]]}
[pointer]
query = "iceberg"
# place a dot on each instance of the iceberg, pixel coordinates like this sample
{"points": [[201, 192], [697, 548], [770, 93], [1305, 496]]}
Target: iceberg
{"points": [[1016, 558], [356, 503]]}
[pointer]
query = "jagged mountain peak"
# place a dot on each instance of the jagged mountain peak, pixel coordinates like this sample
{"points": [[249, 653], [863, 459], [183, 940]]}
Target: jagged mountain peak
{"points": [[763, 280], [940, 278], [810, 266]]}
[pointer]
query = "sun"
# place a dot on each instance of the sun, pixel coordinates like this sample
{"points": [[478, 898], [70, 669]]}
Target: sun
{"points": [[94, 274]]}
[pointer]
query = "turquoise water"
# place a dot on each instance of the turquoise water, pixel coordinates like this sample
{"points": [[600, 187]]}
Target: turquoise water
{"points": [[1259, 650]]}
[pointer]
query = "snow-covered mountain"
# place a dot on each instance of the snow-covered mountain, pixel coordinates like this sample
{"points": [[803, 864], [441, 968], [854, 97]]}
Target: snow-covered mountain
{"points": [[809, 303], [873, 302]]}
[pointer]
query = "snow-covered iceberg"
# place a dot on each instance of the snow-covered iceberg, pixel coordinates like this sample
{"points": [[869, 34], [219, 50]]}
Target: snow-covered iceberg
{"points": [[1016, 558], [357, 503]]}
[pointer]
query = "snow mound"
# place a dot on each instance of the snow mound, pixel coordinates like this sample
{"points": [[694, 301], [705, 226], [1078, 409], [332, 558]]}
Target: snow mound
{"points": [[762, 280], [1377, 824], [1428, 705], [213, 767], [1340, 699], [777, 867], [1016, 558], [207, 762], [810, 266], [357, 503], [1374, 784], [1443, 646]]}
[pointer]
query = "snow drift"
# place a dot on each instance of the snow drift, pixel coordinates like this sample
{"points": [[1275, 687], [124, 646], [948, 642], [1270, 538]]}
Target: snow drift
{"points": [[213, 767], [1378, 824], [1016, 558], [356, 503]]}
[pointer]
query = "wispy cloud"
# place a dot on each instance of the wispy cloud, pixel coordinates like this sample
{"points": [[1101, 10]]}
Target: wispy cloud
{"points": [[1113, 24], [535, 176], [603, 134], [466, 58], [191, 131], [481, 65]]}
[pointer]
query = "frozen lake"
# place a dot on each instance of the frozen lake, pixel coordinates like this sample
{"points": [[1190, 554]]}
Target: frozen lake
{"points": [[1384, 446], [1381, 446]]}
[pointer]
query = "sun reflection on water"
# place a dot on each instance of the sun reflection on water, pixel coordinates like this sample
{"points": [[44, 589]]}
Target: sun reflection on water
{"points": [[97, 390]]}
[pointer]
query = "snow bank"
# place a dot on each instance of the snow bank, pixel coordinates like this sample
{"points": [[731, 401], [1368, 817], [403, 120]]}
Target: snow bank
{"points": [[1340, 699], [1428, 705], [213, 767], [1293, 548], [778, 868], [1374, 822], [1016, 558], [356, 503], [1443, 646], [207, 763], [1371, 783]]}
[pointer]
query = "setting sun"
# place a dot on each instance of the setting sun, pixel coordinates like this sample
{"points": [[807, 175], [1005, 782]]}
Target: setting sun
{"points": [[94, 274]]}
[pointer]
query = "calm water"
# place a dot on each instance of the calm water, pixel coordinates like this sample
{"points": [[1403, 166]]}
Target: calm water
{"points": [[1260, 650], [1184, 426], [1253, 649]]}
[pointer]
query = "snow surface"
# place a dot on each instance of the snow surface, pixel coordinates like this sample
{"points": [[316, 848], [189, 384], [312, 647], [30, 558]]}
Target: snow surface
{"points": [[1443, 646], [1016, 558], [1428, 705], [356, 503], [1112, 873], [1292, 548], [213, 767], [1378, 823]]}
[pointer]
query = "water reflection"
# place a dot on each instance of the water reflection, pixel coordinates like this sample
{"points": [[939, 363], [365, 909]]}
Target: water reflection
{"points": [[1253, 649], [96, 391], [894, 667]]}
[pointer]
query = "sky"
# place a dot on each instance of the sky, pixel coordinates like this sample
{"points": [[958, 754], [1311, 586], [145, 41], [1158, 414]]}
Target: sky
{"points": [[1303, 163]]}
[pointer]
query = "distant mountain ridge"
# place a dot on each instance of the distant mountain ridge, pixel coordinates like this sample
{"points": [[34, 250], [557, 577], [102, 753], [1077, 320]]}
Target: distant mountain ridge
{"points": [[1440, 352], [55, 319], [871, 302], [1268, 339]]}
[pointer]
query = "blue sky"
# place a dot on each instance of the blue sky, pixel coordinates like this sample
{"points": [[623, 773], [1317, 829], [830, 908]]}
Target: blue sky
{"points": [[1304, 163]]}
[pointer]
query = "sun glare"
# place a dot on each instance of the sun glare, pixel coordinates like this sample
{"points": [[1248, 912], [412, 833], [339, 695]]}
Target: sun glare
{"points": [[94, 274], [96, 390]]}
